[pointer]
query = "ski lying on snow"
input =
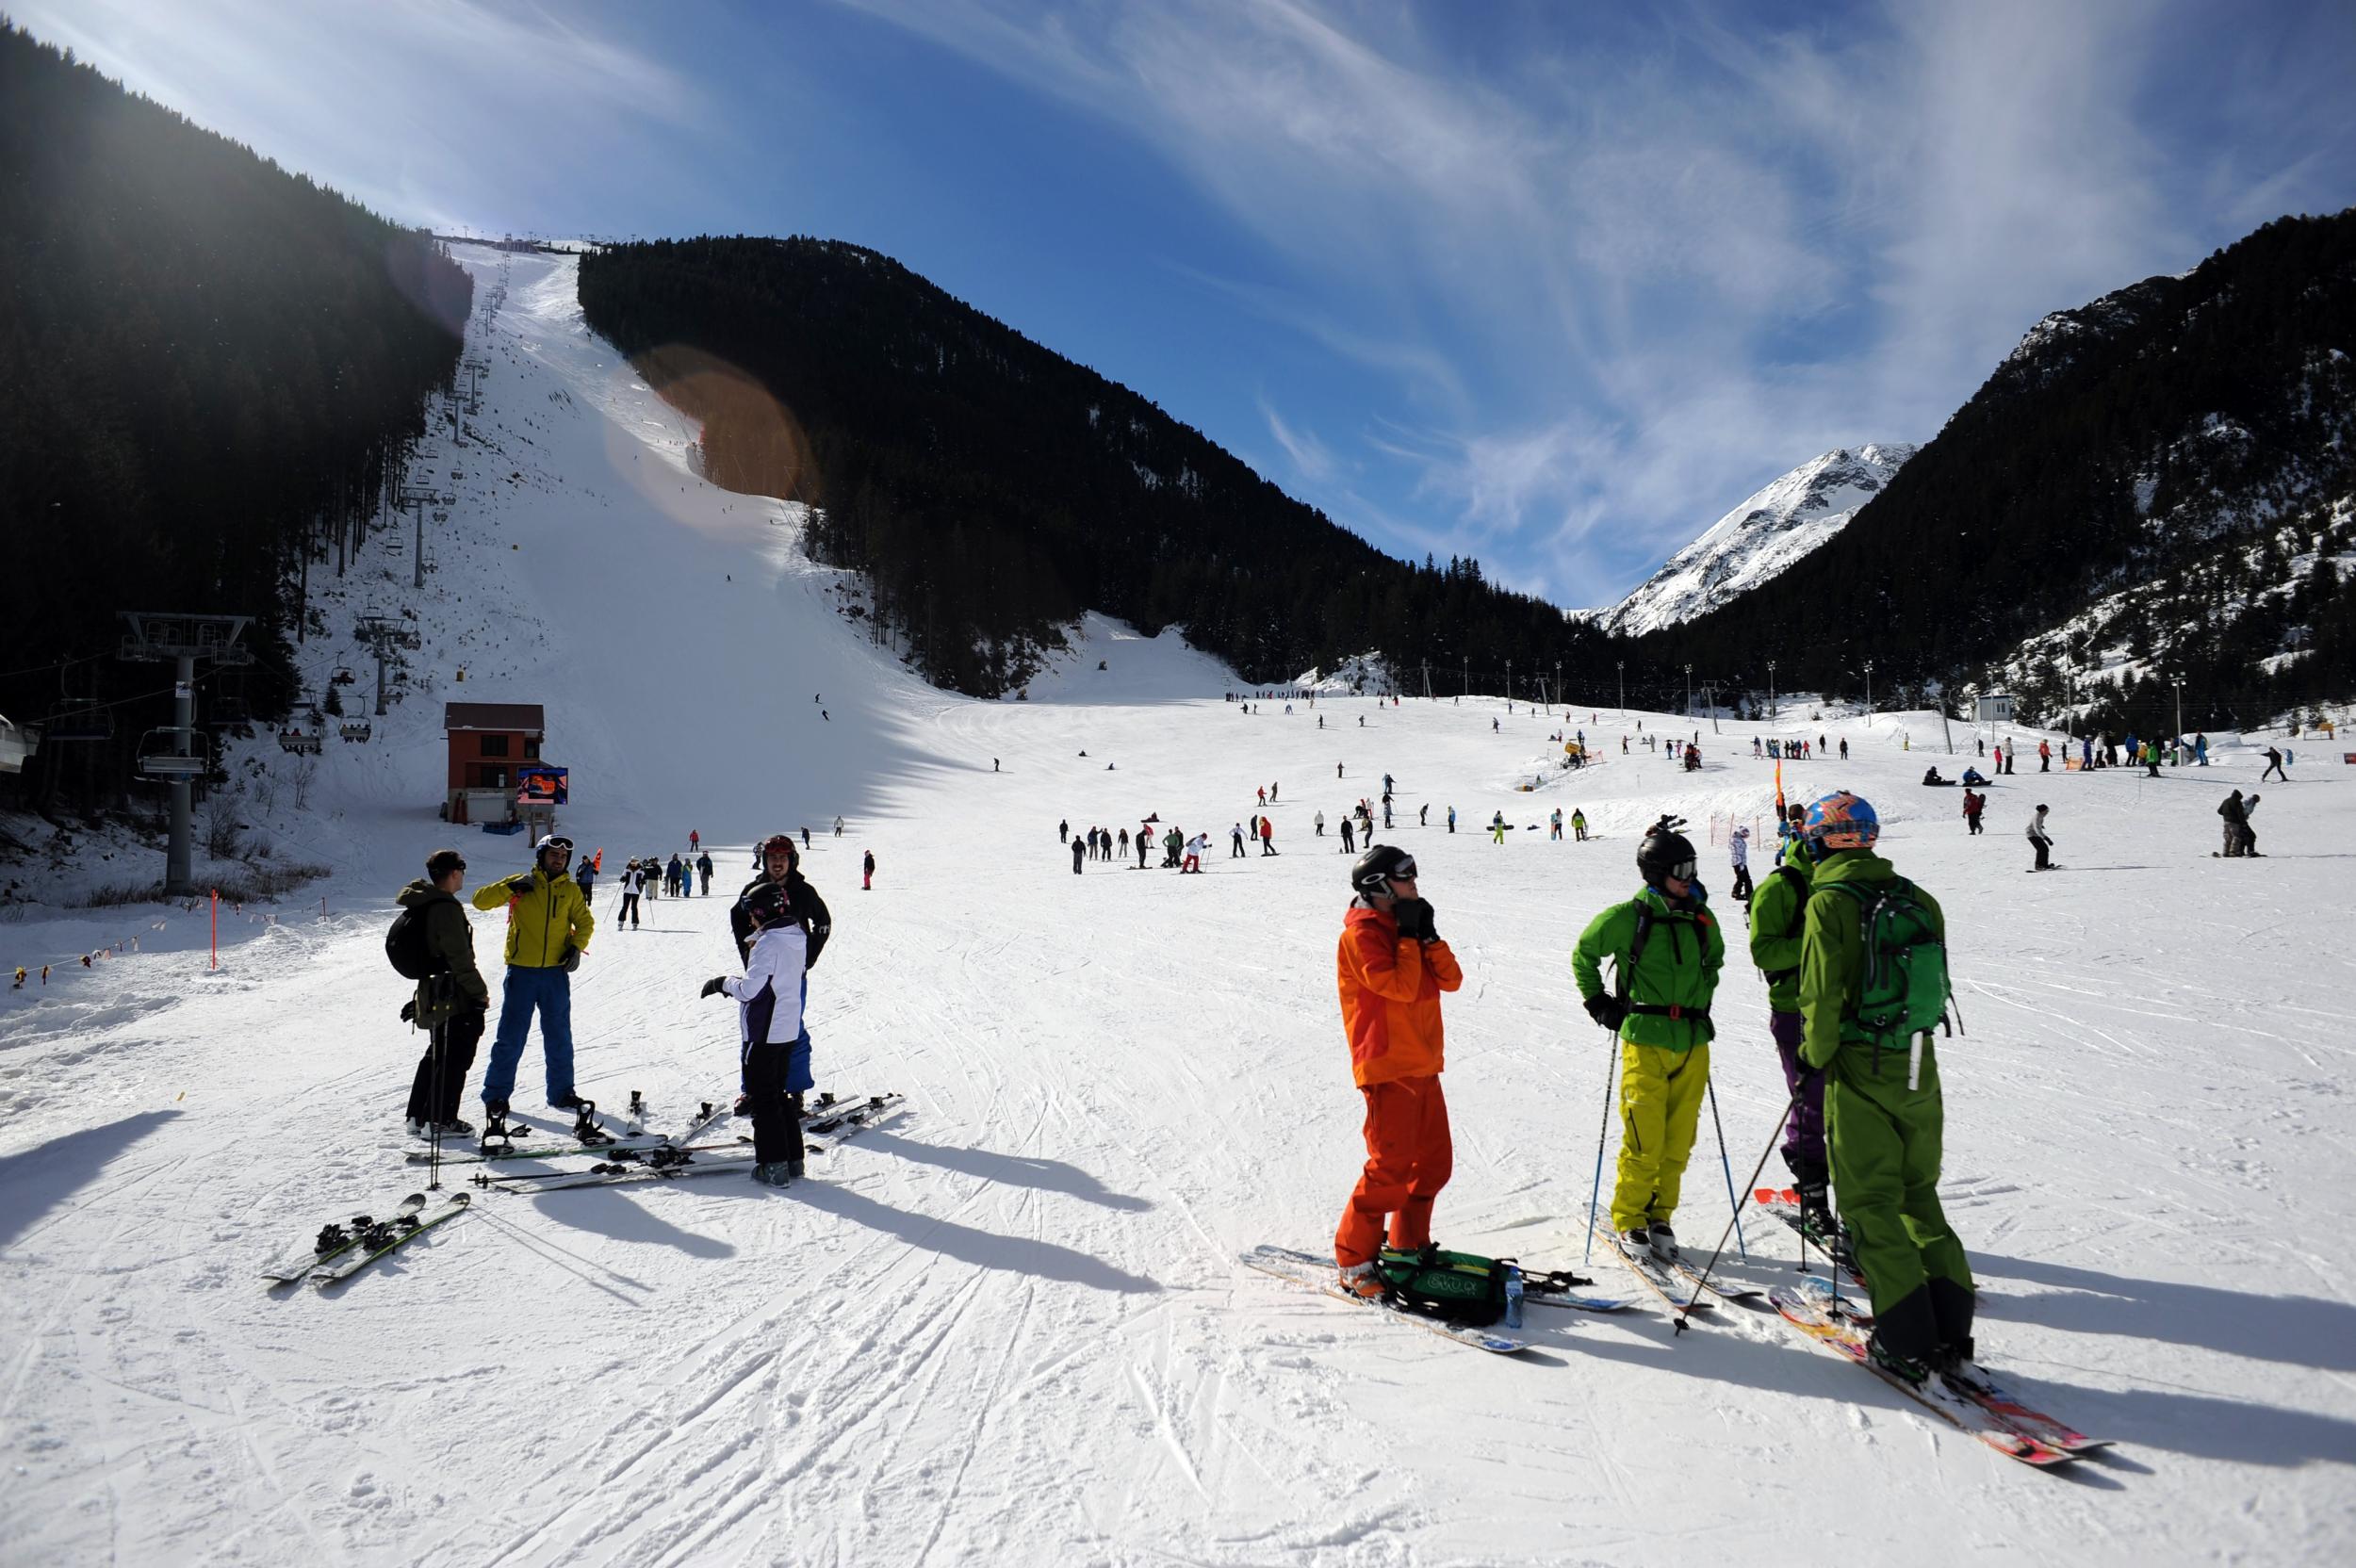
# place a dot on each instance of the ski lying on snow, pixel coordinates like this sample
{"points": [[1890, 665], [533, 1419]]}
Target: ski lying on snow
{"points": [[1319, 1274], [379, 1239], [610, 1173], [842, 1119], [1965, 1413], [1973, 1381], [541, 1151], [334, 1241]]}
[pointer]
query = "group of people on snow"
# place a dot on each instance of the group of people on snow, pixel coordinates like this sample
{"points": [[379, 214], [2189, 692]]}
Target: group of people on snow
{"points": [[1865, 1118]]}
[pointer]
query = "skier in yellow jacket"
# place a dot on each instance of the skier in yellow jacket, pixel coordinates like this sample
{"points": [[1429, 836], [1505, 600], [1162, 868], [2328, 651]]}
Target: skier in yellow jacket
{"points": [[548, 926]]}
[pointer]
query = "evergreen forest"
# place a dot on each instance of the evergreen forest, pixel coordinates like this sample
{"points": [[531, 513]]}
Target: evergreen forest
{"points": [[209, 367]]}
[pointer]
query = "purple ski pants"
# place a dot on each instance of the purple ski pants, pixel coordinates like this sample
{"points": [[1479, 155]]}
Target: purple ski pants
{"points": [[1804, 1134]]}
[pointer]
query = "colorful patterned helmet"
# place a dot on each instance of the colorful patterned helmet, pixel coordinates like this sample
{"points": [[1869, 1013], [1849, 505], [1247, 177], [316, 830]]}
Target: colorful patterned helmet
{"points": [[1840, 820]]}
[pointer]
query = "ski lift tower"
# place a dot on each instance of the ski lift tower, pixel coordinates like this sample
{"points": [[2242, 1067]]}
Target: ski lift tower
{"points": [[416, 498], [183, 640]]}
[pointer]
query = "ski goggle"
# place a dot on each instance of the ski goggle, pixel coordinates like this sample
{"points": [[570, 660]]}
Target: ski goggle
{"points": [[1403, 872], [1682, 872], [564, 846]]}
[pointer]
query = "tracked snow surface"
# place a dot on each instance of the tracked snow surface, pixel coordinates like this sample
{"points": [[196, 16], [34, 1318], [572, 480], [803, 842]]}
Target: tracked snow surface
{"points": [[1762, 538], [1008, 1324]]}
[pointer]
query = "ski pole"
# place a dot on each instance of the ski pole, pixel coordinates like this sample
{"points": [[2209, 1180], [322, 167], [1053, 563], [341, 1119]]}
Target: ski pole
{"points": [[1733, 1202], [1602, 1127], [1686, 1310]]}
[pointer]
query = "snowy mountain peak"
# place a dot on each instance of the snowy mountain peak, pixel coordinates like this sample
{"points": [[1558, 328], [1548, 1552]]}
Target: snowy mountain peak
{"points": [[1759, 539]]}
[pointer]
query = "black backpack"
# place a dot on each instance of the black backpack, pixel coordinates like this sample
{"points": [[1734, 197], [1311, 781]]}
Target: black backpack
{"points": [[404, 947]]}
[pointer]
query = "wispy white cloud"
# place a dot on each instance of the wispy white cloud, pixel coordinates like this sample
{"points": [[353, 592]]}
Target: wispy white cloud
{"points": [[1664, 256], [1310, 455], [432, 110]]}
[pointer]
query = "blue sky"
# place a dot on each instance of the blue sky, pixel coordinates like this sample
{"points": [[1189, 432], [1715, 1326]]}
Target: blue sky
{"points": [[1554, 284]]}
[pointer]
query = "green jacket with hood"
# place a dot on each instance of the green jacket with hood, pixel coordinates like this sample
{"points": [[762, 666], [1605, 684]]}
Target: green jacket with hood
{"points": [[1683, 954], [450, 939], [1778, 932], [1832, 961], [549, 918]]}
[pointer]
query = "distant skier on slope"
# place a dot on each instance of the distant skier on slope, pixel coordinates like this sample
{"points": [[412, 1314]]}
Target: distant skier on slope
{"points": [[703, 868], [1872, 985], [2041, 841], [1391, 967], [1666, 951], [1739, 852]]}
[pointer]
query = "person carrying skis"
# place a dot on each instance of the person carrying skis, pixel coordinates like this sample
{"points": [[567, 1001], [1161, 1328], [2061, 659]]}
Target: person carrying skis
{"points": [[548, 927], [1666, 951], [1872, 985], [1739, 852], [1779, 915], [773, 1054], [1391, 967], [703, 868], [450, 1002], [2041, 841]]}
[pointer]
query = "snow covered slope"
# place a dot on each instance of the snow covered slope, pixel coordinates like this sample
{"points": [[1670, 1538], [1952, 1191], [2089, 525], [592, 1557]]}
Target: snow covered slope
{"points": [[1763, 537], [1010, 1323]]}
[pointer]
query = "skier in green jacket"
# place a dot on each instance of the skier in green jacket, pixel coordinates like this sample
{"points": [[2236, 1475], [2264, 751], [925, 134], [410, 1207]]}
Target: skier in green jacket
{"points": [[1872, 983], [1779, 910], [1666, 951]]}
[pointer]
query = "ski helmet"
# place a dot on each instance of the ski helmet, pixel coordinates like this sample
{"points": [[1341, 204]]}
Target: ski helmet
{"points": [[767, 905], [775, 841], [1663, 855], [1378, 866], [555, 842], [1840, 820]]}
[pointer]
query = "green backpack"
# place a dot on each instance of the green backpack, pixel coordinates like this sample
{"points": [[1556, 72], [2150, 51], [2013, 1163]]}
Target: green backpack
{"points": [[1455, 1287], [1904, 988]]}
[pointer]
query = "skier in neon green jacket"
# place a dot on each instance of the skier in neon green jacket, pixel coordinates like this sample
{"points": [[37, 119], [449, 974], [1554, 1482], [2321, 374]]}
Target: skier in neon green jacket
{"points": [[1883, 1113], [1662, 1017]]}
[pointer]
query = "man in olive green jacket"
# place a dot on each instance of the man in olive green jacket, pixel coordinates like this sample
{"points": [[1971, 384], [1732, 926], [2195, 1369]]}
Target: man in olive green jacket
{"points": [[1883, 1116], [1666, 951], [548, 926], [449, 1002], [1777, 910]]}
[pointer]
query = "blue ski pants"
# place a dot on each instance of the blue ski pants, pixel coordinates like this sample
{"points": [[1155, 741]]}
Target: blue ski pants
{"points": [[550, 991]]}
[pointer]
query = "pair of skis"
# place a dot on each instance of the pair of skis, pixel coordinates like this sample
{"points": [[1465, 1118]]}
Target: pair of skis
{"points": [[343, 1250], [671, 1162]]}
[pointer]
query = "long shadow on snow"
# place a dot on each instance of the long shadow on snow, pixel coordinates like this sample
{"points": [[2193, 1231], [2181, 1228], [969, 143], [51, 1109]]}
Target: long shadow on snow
{"points": [[2300, 1331], [41, 1179], [1016, 1170], [1016, 1255], [608, 1213]]}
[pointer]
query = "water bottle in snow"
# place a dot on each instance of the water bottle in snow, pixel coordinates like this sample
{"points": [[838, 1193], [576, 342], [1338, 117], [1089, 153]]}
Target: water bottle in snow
{"points": [[1513, 1296]]}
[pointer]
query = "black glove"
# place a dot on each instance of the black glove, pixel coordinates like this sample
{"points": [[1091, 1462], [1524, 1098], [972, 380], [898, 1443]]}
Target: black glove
{"points": [[1608, 1010], [518, 887], [571, 961], [409, 1011], [1811, 1084], [713, 986], [1415, 919]]}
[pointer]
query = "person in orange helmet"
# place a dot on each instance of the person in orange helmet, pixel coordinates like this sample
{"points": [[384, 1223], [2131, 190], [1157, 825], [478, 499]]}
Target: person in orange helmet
{"points": [[1391, 966]]}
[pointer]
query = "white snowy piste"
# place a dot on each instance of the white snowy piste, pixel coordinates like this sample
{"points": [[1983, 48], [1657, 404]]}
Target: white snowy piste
{"points": [[1008, 1318]]}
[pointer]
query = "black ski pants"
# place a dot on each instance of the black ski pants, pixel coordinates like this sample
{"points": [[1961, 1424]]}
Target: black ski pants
{"points": [[451, 1044], [776, 1115], [628, 910], [1742, 883], [2044, 853]]}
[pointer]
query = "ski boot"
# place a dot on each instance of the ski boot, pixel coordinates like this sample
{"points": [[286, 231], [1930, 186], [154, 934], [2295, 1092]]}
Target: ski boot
{"points": [[1663, 1240], [1361, 1280]]}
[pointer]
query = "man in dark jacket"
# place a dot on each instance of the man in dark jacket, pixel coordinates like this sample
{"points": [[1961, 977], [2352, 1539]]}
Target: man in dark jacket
{"points": [[703, 868], [450, 1001], [2236, 816], [781, 864]]}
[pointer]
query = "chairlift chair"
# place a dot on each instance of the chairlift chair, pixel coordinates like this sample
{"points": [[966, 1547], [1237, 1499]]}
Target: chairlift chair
{"points": [[17, 743], [79, 721], [344, 677], [357, 729], [161, 762], [291, 739]]}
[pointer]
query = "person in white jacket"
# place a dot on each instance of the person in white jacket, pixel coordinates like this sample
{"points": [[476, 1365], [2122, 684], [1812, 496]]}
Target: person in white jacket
{"points": [[775, 1062], [1197, 847], [1739, 850], [2042, 841]]}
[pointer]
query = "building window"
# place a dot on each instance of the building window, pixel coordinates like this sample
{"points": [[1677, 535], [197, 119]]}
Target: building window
{"points": [[531, 747], [495, 745], [490, 778]]}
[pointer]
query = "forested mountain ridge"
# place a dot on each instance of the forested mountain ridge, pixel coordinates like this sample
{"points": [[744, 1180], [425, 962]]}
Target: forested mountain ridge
{"points": [[207, 365], [991, 490], [2152, 485]]}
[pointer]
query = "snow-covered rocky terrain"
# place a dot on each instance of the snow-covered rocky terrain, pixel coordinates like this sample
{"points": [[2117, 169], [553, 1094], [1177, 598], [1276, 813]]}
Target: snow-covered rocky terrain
{"points": [[1765, 536], [1009, 1322]]}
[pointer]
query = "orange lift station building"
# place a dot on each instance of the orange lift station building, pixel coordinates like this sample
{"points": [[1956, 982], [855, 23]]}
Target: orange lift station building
{"points": [[488, 742]]}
